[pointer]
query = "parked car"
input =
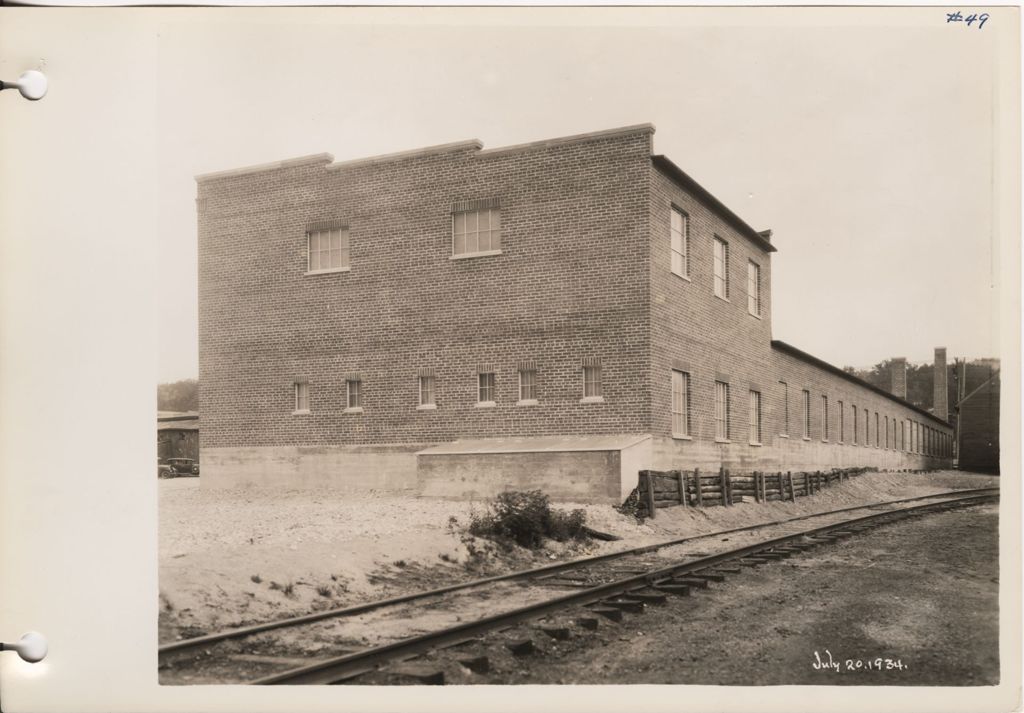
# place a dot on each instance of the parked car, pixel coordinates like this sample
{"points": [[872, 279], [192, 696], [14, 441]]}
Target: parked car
{"points": [[163, 470], [183, 466]]}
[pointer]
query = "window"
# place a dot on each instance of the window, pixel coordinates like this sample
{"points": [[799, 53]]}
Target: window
{"points": [[785, 409], [301, 397], [680, 243], [807, 414], [485, 388], [887, 432], [755, 416], [721, 411], [592, 383], [476, 231], [754, 288], [355, 396], [824, 417], [680, 403], [721, 268], [867, 428], [842, 418], [903, 435], [527, 386], [327, 250], [853, 415], [427, 397], [878, 433]]}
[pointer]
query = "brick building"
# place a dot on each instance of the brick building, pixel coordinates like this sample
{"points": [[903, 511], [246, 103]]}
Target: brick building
{"points": [[456, 320]]}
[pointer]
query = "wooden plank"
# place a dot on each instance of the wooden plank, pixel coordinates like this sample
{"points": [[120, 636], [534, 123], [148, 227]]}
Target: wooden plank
{"points": [[792, 490], [681, 486], [650, 493], [696, 480], [726, 495]]}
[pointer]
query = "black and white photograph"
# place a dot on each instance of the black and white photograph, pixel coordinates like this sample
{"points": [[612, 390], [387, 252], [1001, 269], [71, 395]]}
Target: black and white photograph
{"points": [[482, 384], [581, 348]]}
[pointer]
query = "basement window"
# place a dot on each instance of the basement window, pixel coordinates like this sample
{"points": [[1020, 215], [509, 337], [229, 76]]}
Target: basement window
{"points": [[301, 397]]}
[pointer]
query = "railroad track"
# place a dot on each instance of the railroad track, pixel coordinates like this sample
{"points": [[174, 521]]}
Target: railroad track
{"points": [[604, 587]]}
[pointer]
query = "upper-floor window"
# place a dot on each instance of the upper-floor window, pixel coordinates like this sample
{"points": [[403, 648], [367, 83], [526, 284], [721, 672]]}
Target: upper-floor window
{"points": [[721, 411], [754, 288], [680, 403], [680, 229], [477, 230], [327, 250], [721, 268]]}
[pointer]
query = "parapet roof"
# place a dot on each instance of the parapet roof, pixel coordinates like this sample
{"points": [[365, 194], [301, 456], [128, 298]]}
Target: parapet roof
{"points": [[761, 239]]}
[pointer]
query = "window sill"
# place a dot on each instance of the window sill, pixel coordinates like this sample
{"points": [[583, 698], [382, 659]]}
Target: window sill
{"points": [[724, 299], [592, 400], [783, 435], [353, 409], [806, 438], [755, 316], [681, 437], [328, 272], [301, 412], [482, 253], [427, 407], [722, 440], [682, 277], [485, 404], [755, 443], [527, 402]]}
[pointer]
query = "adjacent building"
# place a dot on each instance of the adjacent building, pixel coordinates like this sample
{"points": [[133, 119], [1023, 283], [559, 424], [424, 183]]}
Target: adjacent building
{"points": [[456, 321]]}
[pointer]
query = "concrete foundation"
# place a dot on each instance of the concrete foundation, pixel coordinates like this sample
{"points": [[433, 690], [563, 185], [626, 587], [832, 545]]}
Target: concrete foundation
{"points": [[389, 468], [588, 469]]}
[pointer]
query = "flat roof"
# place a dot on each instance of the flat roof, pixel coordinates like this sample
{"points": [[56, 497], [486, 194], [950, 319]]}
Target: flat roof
{"points": [[536, 444], [821, 364], [673, 171]]}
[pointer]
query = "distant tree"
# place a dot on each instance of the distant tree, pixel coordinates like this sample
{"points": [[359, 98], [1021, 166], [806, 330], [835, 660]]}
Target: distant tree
{"points": [[178, 396]]}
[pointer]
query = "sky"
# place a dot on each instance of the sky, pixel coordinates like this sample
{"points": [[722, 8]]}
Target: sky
{"points": [[863, 138]]}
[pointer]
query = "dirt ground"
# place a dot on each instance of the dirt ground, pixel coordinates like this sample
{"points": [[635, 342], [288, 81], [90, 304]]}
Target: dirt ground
{"points": [[919, 597], [229, 558]]}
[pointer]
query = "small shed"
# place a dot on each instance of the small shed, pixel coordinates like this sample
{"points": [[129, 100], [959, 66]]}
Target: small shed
{"points": [[177, 435]]}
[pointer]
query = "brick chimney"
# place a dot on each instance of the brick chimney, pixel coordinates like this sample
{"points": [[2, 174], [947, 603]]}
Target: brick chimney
{"points": [[898, 374], [940, 403]]}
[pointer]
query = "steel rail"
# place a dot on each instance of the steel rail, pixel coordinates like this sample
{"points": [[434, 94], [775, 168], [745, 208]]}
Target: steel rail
{"points": [[342, 667], [207, 639]]}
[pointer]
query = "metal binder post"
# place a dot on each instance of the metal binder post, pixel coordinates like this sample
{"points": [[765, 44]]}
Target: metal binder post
{"points": [[31, 84], [31, 647]]}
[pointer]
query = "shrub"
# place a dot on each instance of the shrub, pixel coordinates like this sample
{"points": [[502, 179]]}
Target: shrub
{"points": [[526, 518]]}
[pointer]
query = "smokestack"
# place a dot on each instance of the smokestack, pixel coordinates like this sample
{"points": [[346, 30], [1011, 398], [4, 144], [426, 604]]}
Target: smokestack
{"points": [[898, 374], [940, 403]]}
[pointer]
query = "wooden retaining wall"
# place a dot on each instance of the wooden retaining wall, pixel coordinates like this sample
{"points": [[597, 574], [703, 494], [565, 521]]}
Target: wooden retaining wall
{"points": [[662, 489]]}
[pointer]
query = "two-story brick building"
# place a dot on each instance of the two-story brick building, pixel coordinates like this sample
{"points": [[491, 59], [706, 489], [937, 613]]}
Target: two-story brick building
{"points": [[458, 320]]}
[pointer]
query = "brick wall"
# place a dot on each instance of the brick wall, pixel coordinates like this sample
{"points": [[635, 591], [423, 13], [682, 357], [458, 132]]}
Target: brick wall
{"points": [[570, 284], [712, 339]]}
